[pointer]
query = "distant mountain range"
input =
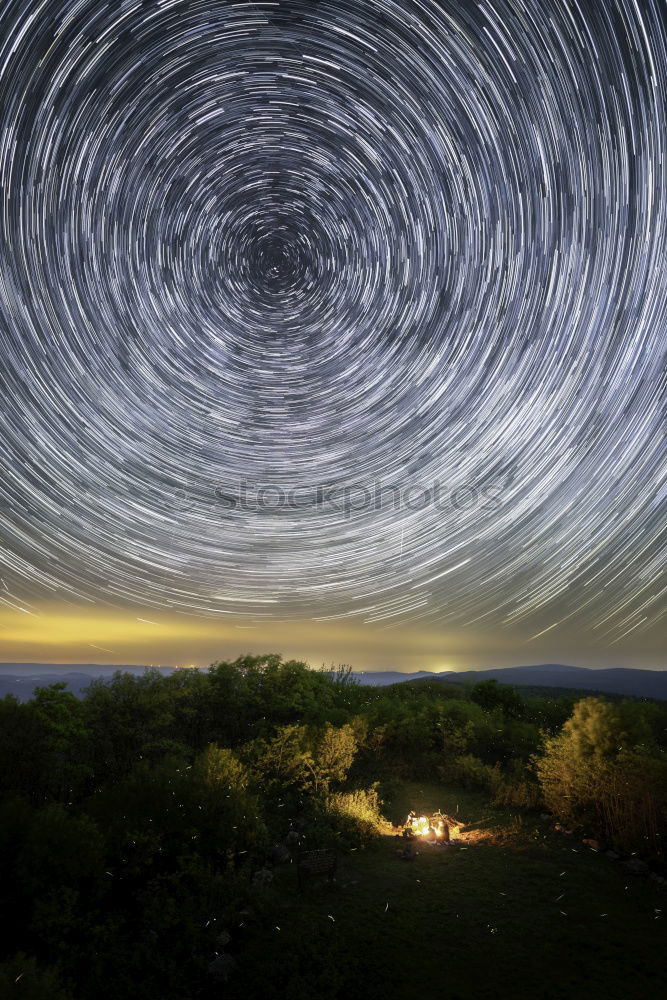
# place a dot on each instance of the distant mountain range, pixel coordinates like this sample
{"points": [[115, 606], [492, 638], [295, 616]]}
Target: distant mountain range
{"points": [[20, 679], [379, 678], [618, 680]]}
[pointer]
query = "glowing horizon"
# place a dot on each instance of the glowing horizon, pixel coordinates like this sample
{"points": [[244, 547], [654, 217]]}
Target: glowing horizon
{"points": [[88, 635]]}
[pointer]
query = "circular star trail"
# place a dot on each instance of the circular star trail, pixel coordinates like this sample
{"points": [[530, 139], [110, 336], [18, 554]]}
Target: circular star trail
{"points": [[260, 259]]}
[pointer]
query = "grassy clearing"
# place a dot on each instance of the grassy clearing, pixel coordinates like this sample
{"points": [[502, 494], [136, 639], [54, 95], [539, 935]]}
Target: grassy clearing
{"points": [[514, 911]]}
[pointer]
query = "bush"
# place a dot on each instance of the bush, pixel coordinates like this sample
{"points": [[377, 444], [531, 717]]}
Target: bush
{"points": [[515, 786], [469, 771], [631, 803], [600, 774], [345, 819], [361, 805], [304, 759], [518, 787]]}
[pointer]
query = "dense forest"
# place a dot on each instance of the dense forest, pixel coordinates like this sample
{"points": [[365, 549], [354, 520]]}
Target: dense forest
{"points": [[138, 823]]}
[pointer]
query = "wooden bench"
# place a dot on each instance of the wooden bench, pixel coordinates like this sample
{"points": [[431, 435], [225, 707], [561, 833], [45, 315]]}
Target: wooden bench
{"points": [[316, 864]]}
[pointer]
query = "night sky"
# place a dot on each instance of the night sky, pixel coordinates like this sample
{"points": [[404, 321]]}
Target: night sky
{"points": [[335, 328]]}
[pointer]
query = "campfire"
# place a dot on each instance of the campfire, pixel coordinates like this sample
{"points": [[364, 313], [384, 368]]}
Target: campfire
{"points": [[436, 828]]}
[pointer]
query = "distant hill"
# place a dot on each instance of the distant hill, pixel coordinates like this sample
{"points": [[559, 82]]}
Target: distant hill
{"points": [[91, 669], [619, 680], [379, 678], [20, 679]]}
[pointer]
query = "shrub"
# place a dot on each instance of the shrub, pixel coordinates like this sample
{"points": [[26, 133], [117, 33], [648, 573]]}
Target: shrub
{"points": [[518, 787], [348, 819], [631, 803], [305, 759], [598, 773], [471, 772]]}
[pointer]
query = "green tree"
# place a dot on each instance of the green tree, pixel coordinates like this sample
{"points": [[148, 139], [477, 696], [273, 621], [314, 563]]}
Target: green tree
{"points": [[129, 719], [66, 738], [490, 694], [595, 773], [334, 754], [23, 749]]}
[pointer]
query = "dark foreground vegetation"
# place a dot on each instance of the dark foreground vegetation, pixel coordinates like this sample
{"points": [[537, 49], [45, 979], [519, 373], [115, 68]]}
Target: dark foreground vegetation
{"points": [[138, 833]]}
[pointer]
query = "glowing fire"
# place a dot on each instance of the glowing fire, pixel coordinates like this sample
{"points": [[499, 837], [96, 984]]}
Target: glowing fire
{"points": [[429, 827]]}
